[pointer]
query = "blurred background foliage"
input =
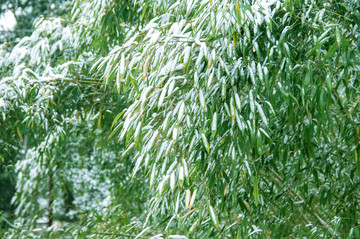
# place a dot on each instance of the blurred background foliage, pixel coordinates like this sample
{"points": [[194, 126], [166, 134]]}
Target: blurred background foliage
{"points": [[23, 14]]}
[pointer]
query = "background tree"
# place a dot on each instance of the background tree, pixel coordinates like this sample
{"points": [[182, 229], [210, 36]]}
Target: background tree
{"points": [[25, 12]]}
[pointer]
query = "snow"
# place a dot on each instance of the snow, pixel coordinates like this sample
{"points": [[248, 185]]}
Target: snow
{"points": [[7, 21]]}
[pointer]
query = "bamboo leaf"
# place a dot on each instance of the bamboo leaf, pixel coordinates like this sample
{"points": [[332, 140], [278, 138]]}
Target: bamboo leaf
{"points": [[142, 232], [251, 99], [122, 64], [261, 112], [152, 177], [214, 125], [187, 199], [137, 165], [193, 198], [202, 100], [256, 190], [177, 237], [338, 36], [162, 96], [181, 111], [213, 216], [331, 51], [205, 142], [237, 100], [172, 181], [210, 80]]}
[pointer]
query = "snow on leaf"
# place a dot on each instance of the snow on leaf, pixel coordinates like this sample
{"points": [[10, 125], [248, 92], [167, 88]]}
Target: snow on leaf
{"points": [[177, 237], [264, 132], [185, 168], [171, 87], [122, 64], [251, 98], [248, 167], [175, 133], [237, 101], [193, 198], [181, 175], [260, 72], [142, 232], [202, 99], [186, 55], [137, 132], [213, 216], [256, 230], [172, 181], [196, 79], [261, 112], [154, 37], [187, 198], [152, 177], [177, 203], [137, 165], [162, 184], [206, 144], [210, 79], [252, 75], [152, 140], [181, 111], [214, 125]]}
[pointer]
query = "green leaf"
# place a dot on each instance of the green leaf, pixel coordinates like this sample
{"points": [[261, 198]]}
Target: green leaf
{"points": [[137, 165], [261, 112], [331, 51], [210, 80], [283, 35], [237, 101], [264, 132], [181, 111], [256, 190], [251, 99], [223, 91], [152, 176], [116, 118], [338, 36], [328, 83], [128, 150], [137, 133], [142, 232], [162, 96], [115, 130], [309, 74], [135, 84], [205, 142], [213, 216]]}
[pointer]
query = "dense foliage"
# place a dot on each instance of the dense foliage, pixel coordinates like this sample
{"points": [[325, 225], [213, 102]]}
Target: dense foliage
{"points": [[24, 13], [185, 119]]}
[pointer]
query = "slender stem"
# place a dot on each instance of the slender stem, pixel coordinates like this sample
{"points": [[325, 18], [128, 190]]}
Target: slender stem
{"points": [[307, 208], [71, 80], [51, 185], [317, 9], [50, 220]]}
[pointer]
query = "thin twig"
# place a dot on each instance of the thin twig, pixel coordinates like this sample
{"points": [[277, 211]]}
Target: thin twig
{"points": [[317, 9]]}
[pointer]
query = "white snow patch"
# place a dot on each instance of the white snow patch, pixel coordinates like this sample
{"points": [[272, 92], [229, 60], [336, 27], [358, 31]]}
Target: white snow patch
{"points": [[7, 21]]}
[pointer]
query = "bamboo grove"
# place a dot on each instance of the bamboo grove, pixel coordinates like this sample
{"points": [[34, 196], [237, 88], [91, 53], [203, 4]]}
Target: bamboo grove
{"points": [[185, 119]]}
